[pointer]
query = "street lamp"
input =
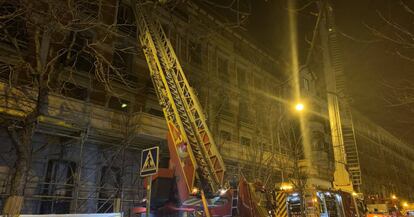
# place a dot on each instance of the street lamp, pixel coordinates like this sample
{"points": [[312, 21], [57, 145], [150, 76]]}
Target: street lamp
{"points": [[299, 106]]}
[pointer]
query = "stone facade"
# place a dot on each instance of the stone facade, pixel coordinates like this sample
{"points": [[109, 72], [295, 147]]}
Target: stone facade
{"points": [[86, 149], [387, 163]]}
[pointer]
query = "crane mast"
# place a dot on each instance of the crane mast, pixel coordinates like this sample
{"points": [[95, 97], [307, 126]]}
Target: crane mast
{"points": [[200, 161]]}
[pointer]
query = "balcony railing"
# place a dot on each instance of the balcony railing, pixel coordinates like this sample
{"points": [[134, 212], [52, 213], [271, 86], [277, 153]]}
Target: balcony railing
{"points": [[236, 152], [69, 117]]}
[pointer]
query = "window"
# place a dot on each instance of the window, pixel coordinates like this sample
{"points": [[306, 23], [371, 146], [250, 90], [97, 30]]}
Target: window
{"points": [[181, 13], [179, 44], [244, 141], [194, 53], [59, 179], [225, 136], [225, 107], [90, 8], [97, 94], [183, 47], [118, 104], [77, 58], [110, 183], [223, 69], [156, 112], [258, 83], [4, 178], [173, 36], [15, 27], [306, 84], [241, 78], [5, 72], [123, 62], [244, 112], [126, 20], [74, 91]]}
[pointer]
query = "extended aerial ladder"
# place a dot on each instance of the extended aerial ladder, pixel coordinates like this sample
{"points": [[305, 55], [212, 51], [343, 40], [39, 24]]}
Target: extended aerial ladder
{"points": [[200, 163], [347, 171], [347, 175], [194, 158]]}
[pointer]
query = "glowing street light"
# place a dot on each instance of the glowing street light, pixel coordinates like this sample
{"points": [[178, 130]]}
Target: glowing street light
{"points": [[405, 204], [393, 197], [222, 191], [194, 191], [299, 107]]}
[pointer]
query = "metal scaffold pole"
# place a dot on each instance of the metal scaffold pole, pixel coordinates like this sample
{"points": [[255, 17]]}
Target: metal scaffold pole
{"points": [[77, 185]]}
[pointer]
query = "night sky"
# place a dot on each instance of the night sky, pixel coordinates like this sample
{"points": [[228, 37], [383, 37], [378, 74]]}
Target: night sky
{"points": [[371, 64]]}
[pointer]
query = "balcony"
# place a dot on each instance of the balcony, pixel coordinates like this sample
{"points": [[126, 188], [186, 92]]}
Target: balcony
{"points": [[69, 117], [242, 153]]}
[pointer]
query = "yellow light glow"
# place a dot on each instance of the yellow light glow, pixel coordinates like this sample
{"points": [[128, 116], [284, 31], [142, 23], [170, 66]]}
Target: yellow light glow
{"points": [[394, 197], [286, 187], [354, 194], [194, 191], [222, 191], [315, 199], [299, 107], [124, 105], [405, 204]]}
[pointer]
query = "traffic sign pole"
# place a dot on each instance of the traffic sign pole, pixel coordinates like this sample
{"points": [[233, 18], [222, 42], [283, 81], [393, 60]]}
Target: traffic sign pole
{"points": [[149, 183], [149, 167]]}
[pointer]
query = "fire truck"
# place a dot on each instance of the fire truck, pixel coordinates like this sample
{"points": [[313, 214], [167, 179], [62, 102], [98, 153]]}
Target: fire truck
{"points": [[193, 183], [378, 206], [318, 202]]}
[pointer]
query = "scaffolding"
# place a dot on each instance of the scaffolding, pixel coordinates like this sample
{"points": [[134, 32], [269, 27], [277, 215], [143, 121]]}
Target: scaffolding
{"points": [[86, 168]]}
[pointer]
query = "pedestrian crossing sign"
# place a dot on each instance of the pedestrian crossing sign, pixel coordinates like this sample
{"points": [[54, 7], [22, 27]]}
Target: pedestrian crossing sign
{"points": [[149, 161]]}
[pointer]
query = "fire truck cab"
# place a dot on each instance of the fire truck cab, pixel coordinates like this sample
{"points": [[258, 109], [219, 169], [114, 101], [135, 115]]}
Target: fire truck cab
{"points": [[324, 204]]}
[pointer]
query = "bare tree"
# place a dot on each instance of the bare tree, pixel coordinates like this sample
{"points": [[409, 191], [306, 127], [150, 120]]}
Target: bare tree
{"points": [[299, 176], [48, 40], [398, 32], [400, 94], [297, 173]]}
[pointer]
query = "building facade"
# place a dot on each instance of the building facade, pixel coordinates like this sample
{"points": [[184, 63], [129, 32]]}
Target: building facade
{"points": [[387, 163], [101, 110]]}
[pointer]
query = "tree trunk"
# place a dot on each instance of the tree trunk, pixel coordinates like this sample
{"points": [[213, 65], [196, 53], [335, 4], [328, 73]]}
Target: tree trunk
{"points": [[22, 142]]}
